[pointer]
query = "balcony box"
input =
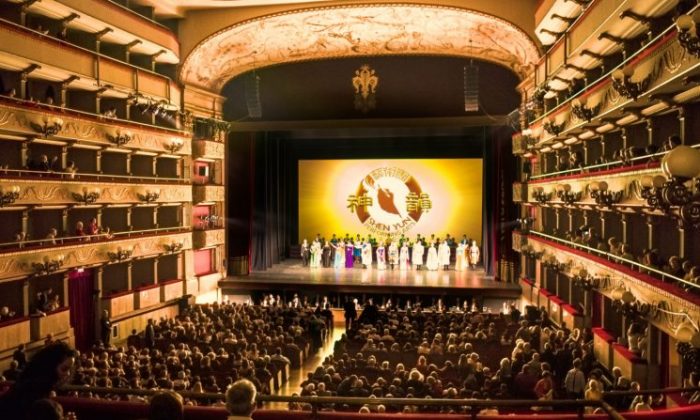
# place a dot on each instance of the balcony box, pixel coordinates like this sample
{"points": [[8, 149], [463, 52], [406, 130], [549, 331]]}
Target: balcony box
{"points": [[170, 290], [119, 303], [603, 347], [14, 332], [192, 287], [527, 286], [207, 194], [146, 296], [207, 149], [519, 192], [53, 323], [208, 238], [209, 282], [572, 317], [555, 310], [632, 365], [542, 298]]}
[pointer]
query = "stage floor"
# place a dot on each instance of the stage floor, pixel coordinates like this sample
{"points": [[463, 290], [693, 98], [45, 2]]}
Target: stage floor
{"points": [[290, 274]]}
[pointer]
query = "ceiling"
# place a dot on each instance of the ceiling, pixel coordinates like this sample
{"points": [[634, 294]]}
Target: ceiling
{"points": [[179, 7]]}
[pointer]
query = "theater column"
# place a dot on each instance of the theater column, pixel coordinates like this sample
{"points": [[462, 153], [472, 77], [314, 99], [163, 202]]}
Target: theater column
{"points": [[25, 297], [98, 287]]}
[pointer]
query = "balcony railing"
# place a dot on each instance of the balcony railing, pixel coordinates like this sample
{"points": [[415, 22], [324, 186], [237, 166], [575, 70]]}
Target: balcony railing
{"points": [[641, 268], [27, 174]]}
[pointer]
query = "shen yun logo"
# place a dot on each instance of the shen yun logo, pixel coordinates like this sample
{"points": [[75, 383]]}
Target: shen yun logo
{"points": [[389, 201]]}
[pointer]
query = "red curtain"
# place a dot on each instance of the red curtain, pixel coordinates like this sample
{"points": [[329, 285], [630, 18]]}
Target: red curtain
{"points": [[82, 307]]}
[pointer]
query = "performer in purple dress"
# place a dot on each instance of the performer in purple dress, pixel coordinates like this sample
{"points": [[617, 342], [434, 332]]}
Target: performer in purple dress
{"points": [[349, 260]]}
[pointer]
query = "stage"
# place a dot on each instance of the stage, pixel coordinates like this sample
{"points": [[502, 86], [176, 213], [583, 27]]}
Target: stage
{"points": [[290, 276]]}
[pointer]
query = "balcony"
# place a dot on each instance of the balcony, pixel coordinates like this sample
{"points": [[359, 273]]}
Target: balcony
{"points": [[208, 149], [19, 117], [147, 296], [53, 323], [208, 238], [209, 282], [119, 303], [208, 194], [14, 332], [171, 290], [79, 252]]}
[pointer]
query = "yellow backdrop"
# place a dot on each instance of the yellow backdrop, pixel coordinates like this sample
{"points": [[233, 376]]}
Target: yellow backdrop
{"points": [[390, 197]]}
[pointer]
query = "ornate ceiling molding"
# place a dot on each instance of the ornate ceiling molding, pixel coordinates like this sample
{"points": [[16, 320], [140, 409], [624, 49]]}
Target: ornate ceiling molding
{"points": [[354, 31]]}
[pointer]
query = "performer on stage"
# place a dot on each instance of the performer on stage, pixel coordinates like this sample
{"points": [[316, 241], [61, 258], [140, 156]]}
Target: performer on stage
{"points": [[326, 254], [404, 263], [431, 263], [474, 254], [339, 251], [366, 255], [305, 253], [349, 253], [381, 257], [315, 254], [357, 253], [444, 255], [460, 257], [393, 255], [417, 254]]}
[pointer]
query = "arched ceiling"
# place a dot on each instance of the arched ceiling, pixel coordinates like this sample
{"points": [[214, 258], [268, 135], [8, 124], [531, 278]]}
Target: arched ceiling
{"points": [[353, 31]]}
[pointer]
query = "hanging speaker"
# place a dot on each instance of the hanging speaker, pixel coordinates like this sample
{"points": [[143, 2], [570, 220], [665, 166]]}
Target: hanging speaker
{"points": [[252, 96], [471, 88]]}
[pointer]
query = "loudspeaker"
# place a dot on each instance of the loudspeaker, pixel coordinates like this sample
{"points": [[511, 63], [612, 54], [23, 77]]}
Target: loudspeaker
{"points": [[252, 96], [471, 88], [203, 170]]}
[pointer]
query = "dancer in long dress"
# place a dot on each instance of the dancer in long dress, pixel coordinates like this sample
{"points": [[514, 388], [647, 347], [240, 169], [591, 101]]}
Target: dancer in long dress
{"points": [[339, 259], [444, 255], [404, 263], [315, 254], [474, 254], [431, 263], [366, 255], [417, 254], [381, 257], [393, 255], [349, 254], [460, 260], [357, 253], [326, 254], [305, 253]]}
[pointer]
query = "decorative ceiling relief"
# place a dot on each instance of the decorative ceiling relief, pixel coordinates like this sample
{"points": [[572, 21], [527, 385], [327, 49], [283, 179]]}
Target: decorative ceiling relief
{"points": [[357, 30]]}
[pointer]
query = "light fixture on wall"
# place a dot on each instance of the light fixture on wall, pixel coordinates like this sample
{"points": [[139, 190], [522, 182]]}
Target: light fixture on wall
{"points": [[551, 127], [623, 84], [566, 195], [650, 188], [121, 254], [48, 265], [50, 126], [174, 146], [581, 111], [120, 138], [687, 332], [87, 196], [602, 195], [687, 26], [149, 196], [540, 195], [8, 195], [173, 247], [682, 164]]}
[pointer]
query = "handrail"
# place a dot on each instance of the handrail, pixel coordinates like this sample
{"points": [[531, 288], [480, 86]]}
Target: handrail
{"points": [[78, 176], [92, 115], [605, 165], [641, 267], [153, 21], [87, 239]]}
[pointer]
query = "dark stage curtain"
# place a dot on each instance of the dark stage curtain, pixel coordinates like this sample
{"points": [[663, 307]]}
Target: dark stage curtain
{"points": [[82, 307], [499, 213], [269, 202]]}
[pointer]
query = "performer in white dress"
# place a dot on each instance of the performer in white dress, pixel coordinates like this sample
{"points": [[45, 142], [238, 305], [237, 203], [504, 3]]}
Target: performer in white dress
{"points": [[431, 263], [417, 254], [404, 263], [460, 260], [367, 255], [444, 255], [315, 254], [474, 254], [381, 257], [393, 255], [339, 257]]}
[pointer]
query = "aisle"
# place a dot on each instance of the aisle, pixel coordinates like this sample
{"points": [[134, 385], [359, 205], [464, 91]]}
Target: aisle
{"points": [[297, 376]]}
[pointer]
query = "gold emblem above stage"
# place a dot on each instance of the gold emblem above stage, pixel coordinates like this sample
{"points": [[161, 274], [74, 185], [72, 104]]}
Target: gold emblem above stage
{"points": [[365, 83]]}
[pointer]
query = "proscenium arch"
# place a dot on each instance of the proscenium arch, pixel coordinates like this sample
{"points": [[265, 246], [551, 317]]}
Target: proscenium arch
{"points": [[353, 31]]}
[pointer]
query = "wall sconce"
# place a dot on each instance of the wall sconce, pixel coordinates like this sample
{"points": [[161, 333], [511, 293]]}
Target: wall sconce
{"points": [[687, 33], [579, 109], [540, 196], [121, 254], [566, 195], [48, 266], [584, 280], [530, 251], [553, 264], [120, 138], [87, 196], [174, 146], [525, 223], [552, 127], [650, 188], [50, 127], [683, 164], [149, 196], [602, 195], [687, 332], [8, 195], [623, 84], [173, 247]]}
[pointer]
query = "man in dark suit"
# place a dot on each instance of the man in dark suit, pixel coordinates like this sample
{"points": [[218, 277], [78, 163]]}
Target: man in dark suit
{"points": [[150, 335], [350, 313], [105, 328]]}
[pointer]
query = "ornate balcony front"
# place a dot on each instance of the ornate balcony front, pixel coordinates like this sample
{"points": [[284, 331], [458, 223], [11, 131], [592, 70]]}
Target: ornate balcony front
{"points": [[119, 303], [207, 149], [53, 323], [13, 332], [208, 194], [171, 290], [20, 263], [208, 238]]}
